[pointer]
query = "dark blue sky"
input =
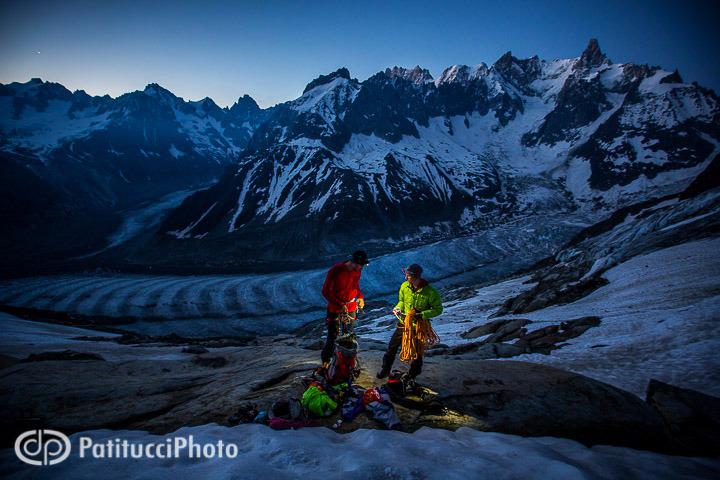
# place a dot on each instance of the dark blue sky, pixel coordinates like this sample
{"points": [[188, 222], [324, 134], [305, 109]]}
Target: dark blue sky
{"points": [[272, 49]]}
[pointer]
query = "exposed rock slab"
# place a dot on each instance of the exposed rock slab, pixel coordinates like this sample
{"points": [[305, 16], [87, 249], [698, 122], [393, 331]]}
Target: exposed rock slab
{"points": [[543, 340], [692, 418], [163, 395], [63, 355]]}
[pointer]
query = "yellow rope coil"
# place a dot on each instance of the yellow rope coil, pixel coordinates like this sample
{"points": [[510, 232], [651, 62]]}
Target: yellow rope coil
{"points": [[416, 338]]}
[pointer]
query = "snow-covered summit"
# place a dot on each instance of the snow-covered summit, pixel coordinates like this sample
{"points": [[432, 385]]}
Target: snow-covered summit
{"points": [[479, 145], [327, 99], [416, 75], [592, 56], [461, 74], [161, 93], [91, 156], [323, 79]]}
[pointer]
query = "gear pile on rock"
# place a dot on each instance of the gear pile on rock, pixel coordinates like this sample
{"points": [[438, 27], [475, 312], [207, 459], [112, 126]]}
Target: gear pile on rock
{"points": [[330, 395]]}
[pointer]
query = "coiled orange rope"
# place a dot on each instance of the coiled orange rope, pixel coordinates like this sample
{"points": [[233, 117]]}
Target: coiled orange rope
{"points": [[416, 338]]}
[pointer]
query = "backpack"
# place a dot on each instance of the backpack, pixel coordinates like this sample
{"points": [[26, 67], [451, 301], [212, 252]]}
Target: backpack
{"points": [[344, 365], [405, 391], [290, 409], [400, 384]]}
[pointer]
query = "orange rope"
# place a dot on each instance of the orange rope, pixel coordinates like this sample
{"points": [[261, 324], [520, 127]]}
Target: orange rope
{"points": [[416, 338], [425, 333]]}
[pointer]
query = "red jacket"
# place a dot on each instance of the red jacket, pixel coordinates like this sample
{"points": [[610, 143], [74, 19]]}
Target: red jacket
{"points": [[340, 287]]}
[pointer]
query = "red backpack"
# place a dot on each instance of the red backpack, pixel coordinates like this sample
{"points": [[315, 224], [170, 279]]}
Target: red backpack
{"points": [[344, 365]]}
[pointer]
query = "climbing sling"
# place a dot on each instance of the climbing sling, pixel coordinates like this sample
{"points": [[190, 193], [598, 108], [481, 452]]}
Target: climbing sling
{"points": [[418, 335]]}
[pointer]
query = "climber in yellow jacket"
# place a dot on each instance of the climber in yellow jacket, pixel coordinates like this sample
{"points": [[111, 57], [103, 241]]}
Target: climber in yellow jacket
{"points": [[418, 295]]}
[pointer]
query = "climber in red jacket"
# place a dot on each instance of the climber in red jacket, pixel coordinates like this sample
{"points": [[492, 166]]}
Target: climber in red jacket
{"points": [[342, 292]]}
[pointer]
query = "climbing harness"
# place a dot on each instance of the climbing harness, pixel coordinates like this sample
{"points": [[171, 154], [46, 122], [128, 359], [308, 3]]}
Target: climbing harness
{"points": [[347, 321]]}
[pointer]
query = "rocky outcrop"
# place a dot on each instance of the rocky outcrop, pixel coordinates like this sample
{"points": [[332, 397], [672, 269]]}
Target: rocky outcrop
{"points": [[63, 355], [592, 56], [528, 399], [692, 418], [549, 338], [542, 340], [195, 349], [324, 79], [500, 329], [165, 389], [576, 270], [558, 284], [210, 362]]}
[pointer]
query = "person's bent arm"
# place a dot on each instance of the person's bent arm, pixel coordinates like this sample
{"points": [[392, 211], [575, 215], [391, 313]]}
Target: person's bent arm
{"points": [[436, 307], [398, 307], [328, 290]]}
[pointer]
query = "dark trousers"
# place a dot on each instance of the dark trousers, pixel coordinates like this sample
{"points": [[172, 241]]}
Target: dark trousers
{"points": [[334, 327], [393, 347]]}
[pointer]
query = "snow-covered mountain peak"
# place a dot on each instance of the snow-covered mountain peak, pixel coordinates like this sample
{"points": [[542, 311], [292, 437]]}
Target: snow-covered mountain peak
{"points": [[481, 145], [592, 56], [325, 79], [328, 99], [206, 106], [246, 108], [244, 104], [37, 89], [416, 75], [156, 91], [455, 73], [461, 74], [516, 76]]}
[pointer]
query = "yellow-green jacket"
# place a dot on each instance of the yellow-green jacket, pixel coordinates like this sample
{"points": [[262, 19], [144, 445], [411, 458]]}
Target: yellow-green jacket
{"points": [[425, 300]]}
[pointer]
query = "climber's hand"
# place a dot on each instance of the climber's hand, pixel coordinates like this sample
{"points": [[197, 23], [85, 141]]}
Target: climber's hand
{"points": [[361, 303]]}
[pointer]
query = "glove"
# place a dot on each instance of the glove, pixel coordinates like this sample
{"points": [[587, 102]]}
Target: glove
{"points": [[361, 303], [396, 311]]}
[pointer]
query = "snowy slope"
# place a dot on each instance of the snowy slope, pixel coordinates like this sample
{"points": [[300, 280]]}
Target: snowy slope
{"points": [[369, 454], [658, 320], [657, 313], [72, 164], [38, 117]]}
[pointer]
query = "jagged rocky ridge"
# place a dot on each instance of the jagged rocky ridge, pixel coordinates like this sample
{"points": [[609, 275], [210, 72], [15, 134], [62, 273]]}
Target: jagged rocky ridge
{"points": [[70, 163], [401, 159], [397, 160]]}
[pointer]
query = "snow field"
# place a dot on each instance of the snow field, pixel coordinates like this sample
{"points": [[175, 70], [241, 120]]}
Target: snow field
{"points": [[370, 454]]}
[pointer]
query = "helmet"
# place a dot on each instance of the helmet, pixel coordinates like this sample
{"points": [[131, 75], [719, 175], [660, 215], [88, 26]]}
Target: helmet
{"points": [[413, 270], [360, 257]]}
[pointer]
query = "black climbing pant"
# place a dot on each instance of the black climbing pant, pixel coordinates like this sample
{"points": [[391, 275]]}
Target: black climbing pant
{"points": [[393, 347], [334, 328]]}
